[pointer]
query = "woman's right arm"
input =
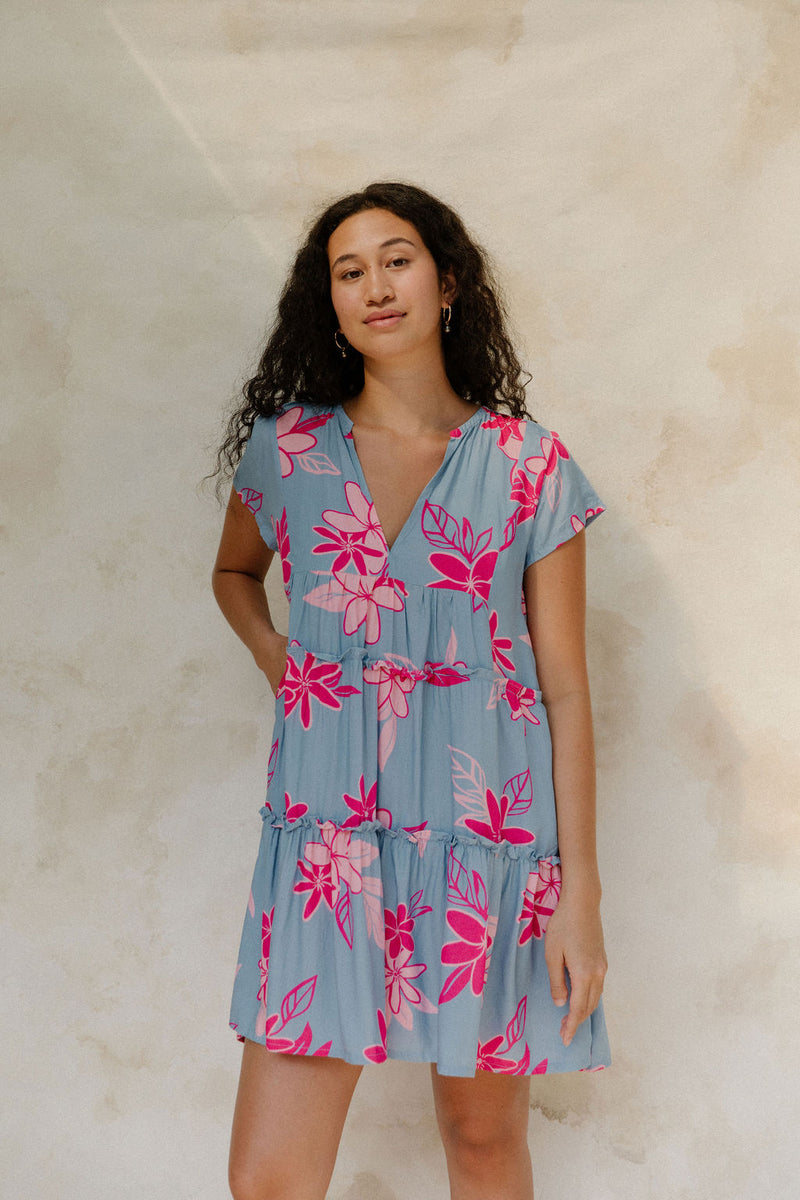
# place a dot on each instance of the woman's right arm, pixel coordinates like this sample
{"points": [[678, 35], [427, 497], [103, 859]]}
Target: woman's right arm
{"points": [[243, 560]]}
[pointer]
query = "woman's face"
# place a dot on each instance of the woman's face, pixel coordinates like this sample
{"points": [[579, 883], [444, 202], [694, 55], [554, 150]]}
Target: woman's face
{"points": [[380, 265]]}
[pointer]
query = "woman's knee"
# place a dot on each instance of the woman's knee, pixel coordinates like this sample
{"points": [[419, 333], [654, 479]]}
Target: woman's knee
{"points": [[489, 1117], [265, 1179]]}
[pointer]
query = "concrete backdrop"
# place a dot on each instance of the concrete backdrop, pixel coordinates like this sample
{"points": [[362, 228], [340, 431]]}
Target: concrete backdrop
{"points": [[634, 168]]}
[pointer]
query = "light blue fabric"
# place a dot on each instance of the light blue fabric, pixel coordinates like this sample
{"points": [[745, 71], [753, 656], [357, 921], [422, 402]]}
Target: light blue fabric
{"points": [[409, 862]]}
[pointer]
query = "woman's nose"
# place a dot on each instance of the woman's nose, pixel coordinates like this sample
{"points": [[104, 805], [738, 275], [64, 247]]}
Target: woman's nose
{"points": [[378, 286]]}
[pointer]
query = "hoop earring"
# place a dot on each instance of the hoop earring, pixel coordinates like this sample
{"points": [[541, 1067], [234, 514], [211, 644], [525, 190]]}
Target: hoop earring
{"points": [[343, 348], [447, 314]]}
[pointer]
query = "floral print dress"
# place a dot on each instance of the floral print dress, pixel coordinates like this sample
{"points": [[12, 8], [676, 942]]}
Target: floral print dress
{"points": [[408, 862]]}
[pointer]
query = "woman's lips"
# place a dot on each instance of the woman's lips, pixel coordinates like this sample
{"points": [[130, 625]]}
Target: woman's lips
{"points": [[384, 322]]}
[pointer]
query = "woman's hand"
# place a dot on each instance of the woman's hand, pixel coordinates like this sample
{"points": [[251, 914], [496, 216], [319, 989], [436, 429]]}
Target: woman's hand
{"points": [[573, 946]]}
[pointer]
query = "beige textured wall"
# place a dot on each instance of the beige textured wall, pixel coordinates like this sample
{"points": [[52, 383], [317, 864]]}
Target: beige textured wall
{"points": [[635, 169]]}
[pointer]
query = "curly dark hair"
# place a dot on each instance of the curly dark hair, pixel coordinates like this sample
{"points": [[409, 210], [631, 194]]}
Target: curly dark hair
{"points": [[301, 361]]}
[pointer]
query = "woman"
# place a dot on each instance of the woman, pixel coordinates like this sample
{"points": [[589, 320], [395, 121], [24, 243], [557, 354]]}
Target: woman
{"points": [[427, 885]]}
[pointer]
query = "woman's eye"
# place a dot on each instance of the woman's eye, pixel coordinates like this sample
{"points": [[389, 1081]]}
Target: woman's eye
{"points": [[395, 261], [350, 274]]}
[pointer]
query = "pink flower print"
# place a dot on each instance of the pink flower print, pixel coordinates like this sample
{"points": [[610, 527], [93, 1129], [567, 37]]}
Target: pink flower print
{"points": [[470, 953], [293, 811], [512, 432], [501, 647], [545, 463], [539, 900], [354, 537], [495, 828], [525, 492], [294, 437], [363, 805], [401, 993], [578, 524], [251, 499], [361, 598], [521, 701], [317, 879], [419, 835], [377, 1053], [344, 860], [282, 538], [395, 681], [313, 680]]}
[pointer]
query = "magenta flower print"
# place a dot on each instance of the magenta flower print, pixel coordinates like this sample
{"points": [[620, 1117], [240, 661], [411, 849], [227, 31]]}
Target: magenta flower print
{"points": [[470, 954], [377, 1053], [471, 565], [251, 499], [501, 647], [361, 598], [539, 900], [314, 680], [546, 463], [399, 925], [521, 701], [296, 1002], [263, 963], [296, 441], [525, 492], [496, 828], [282, 538], [510, 437], [355, 537], [293, 810], [493, 1055], [363, 805], [317, 880]]}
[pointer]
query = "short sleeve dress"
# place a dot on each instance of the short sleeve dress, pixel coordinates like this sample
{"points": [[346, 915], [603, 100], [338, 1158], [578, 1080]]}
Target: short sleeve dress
{"points": [[408, 863]]}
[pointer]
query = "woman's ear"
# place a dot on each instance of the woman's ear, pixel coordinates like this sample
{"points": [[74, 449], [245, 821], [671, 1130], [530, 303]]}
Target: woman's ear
{"points": [[449, 287]]}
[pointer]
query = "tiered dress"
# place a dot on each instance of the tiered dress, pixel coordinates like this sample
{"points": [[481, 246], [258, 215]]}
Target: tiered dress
{"points": [[408, 862]]}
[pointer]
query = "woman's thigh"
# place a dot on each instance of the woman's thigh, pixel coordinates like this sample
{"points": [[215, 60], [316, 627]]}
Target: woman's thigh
{"points": [[488, 1108], [288, 1120]]}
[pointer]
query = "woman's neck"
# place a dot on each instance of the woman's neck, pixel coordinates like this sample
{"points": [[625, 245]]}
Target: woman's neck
{"points": [[407, 400]]}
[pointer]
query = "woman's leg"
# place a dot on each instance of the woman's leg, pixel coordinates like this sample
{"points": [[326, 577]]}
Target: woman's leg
{"points": [[289, 1115], [484, 1127]]}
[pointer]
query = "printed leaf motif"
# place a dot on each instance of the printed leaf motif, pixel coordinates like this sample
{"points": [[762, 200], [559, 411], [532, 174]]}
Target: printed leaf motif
{"points": [[516, 1026], [452, 647], [317, 464], [469, 780], [521, 788], [439, 527], [298, 1000], [344, 917]]}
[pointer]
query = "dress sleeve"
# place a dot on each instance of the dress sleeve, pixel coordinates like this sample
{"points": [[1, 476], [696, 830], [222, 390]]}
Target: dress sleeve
{"points": [[567, 502], [257, 479]]}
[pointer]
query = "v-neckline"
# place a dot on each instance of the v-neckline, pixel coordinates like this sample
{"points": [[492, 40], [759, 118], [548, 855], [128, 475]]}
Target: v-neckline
{"points": [[455, 439]]}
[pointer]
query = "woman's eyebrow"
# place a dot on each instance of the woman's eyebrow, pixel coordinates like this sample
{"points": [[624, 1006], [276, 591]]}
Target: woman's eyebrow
{"points": [[383, 245]]}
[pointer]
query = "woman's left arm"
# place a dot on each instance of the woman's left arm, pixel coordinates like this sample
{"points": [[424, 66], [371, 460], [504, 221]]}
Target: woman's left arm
{"points": [[555, 598]]}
